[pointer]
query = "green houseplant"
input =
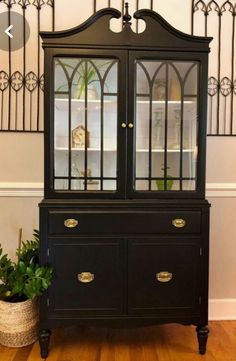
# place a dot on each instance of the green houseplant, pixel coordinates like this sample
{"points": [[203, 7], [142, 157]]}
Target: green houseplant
{"points": [[161, 182], [20, 284], [85, 76]]}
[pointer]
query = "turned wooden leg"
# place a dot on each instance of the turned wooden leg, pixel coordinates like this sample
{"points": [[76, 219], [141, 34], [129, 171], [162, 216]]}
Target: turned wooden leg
{"points": [[202, 335], [44, 339]]}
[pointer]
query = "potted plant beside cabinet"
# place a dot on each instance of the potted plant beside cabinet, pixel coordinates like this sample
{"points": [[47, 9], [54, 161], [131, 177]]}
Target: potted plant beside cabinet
{"points": [[21, 282]]}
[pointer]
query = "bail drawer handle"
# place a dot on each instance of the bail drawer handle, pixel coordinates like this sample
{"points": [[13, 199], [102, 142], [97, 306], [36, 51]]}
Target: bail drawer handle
{"points": [[85, 277], [71, 223], [179, 223], [164, 276]]}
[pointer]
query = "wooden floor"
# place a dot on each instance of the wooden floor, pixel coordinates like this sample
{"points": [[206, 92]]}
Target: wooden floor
{"points": [[156, 343]]}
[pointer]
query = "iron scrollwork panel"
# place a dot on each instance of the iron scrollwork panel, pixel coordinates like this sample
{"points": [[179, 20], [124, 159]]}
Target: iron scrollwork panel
{"points": [[221, 86], [21, 89]]}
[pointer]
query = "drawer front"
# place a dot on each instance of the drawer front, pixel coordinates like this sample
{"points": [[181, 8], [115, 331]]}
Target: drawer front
{"points": [[124, 223], [163, 278], [87, 277]]}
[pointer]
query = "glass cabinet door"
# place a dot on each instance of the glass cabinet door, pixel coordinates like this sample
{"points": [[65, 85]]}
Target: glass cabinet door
{"points": [[166, 125], [85, 124]]}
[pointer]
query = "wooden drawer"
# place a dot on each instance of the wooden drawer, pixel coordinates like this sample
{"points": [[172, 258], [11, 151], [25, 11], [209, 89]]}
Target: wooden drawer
{"points": [[163, 277], [124, 222], [88, 277]]}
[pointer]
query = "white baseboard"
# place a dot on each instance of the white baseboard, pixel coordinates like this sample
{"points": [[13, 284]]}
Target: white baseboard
{"points": [[20, 189], [222, 309]]}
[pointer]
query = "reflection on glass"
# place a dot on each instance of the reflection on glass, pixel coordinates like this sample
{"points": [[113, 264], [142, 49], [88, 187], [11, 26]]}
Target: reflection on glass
{"points": [[85, 92], [166, 125]]}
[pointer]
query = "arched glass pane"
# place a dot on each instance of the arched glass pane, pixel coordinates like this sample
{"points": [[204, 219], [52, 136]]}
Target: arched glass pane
{"points": [[191, 83], [86, 125], [61, 84], [110, 78], [166, 125]]}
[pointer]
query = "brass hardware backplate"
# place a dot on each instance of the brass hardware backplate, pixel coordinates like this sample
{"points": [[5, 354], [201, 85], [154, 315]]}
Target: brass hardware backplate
{"points": [[179, 223], [164, 276], [71, 223], [85, 277]]}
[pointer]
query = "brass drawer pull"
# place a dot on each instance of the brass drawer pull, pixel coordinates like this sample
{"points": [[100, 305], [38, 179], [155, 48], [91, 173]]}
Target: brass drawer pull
{"points": [[130, 125], [85, 277], [123, 125], [71, 223], [164, 276], [179, 223]]}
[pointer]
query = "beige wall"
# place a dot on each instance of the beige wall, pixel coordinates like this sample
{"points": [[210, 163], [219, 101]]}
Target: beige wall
{"points": [[17, 212], [21, 157], [21, 164]]}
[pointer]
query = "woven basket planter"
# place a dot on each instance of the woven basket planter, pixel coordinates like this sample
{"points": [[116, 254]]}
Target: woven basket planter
{"points": [[18, 323]]}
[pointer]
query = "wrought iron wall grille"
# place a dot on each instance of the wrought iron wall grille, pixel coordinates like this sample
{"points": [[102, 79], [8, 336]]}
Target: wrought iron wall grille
{"points": [[21, 90], [222, 81]]}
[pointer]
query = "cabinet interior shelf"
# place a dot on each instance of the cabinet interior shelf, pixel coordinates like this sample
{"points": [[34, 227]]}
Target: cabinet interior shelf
{"points": [[62, 104], [114, 150]]}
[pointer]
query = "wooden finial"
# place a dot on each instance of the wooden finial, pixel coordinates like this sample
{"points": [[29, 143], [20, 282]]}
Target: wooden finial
{"points": [[126, 17]]}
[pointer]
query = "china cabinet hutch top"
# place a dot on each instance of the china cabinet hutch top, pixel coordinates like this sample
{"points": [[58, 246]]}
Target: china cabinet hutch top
{"points": [[125, 113]]}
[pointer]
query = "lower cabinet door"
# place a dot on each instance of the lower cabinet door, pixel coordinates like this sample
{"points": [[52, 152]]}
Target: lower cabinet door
{"points": [[163, 278], [88, 277]]}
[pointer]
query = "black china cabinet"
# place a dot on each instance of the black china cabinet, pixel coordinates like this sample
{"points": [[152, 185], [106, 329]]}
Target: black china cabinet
{"points": [[124, 221]]}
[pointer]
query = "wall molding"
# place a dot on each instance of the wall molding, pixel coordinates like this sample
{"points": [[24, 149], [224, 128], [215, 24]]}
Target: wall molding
{"points": [[221, 190], [20, 189], [34, 189], [222, 309]]}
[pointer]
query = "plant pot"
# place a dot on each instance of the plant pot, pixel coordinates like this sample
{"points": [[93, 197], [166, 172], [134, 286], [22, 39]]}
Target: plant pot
{"points": [[18, 323], [161, 184]]}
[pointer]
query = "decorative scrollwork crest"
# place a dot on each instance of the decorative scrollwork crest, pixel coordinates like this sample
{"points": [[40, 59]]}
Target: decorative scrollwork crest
{"points": [[38, 3], [4, 80], [17, 81], [24, 3], [226, 86], [225, 5], [50, 3], [41, 82], [31, 81], [9, 3], [213, 6], [203, 8], [213, 86], [234, 87]]}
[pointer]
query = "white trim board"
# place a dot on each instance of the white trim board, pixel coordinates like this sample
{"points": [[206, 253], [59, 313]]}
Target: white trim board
{"points": [[12, 189], [23, 189], [222, 309], [222, 190]]}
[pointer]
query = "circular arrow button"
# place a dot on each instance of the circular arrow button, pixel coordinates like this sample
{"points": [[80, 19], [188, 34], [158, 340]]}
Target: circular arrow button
{"points": [[16, 33]]}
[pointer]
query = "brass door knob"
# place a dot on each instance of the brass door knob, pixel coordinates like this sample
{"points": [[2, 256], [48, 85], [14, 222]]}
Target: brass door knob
{"points": [[123, 125], [85, 277], [164, 276], [179, 223], [71, 223], [130, 125]]}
